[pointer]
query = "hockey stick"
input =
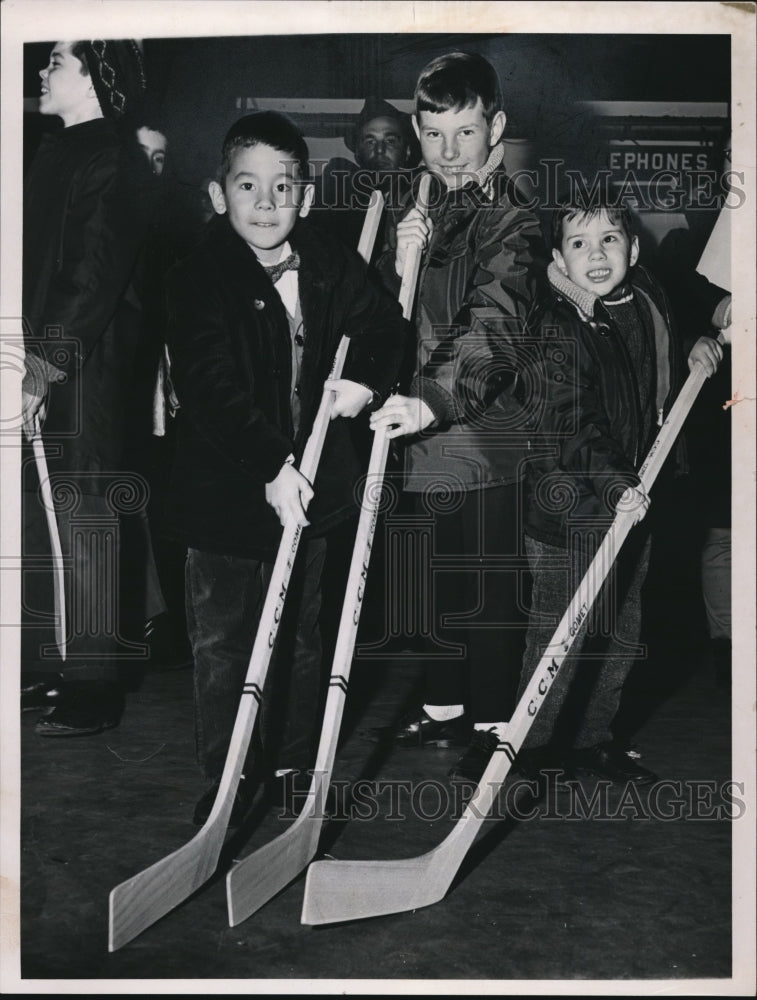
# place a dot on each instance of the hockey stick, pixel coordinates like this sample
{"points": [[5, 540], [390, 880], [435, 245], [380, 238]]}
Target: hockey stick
{"points": [[336, 891], [141, 900], [251, 882], [59, 595]]}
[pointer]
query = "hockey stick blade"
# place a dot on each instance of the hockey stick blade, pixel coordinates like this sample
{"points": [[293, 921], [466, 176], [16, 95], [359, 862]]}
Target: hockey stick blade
{"points": [[339, 891], [254, 880]]}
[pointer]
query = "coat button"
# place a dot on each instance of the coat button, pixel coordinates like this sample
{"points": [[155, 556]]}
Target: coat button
{"points": [[259, 304]]}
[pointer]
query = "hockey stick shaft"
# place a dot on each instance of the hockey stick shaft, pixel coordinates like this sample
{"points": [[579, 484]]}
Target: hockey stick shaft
{"points": [[350, 890], [252, 881], [59, 589]]}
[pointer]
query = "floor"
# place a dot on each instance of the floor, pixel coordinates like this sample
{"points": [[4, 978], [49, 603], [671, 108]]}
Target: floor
{"points": [[641, 890]]}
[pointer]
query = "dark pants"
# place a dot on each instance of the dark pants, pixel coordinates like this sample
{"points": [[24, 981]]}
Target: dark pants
{"points": [[224, 601], [477, 601], [581, 704]]}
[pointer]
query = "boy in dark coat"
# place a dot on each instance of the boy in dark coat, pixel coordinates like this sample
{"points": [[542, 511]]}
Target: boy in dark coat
{"points": [[463, 430], [86, 211], [611, 365], [255, 317]]}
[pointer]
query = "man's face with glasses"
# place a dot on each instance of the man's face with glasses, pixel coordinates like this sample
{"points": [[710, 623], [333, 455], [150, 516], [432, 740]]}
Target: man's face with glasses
{"points": [[381, 145]]}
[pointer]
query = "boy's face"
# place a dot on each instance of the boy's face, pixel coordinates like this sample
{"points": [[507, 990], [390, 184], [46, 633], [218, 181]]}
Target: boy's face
{"points": [[596, 253], [66, 90], [456, 143], [264, 198]]}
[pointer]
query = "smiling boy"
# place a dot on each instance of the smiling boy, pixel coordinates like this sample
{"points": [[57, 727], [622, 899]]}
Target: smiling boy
{"points": [[611, 367], [255, 317], [481, 250]]}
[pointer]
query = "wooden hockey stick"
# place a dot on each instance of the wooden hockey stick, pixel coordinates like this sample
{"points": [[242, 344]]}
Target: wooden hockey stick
{"points": [[254, 880], [337, 891], [59, 589], [146, 897]]}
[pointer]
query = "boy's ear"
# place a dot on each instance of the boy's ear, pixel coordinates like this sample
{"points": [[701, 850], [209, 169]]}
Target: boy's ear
{"points": [[416, 126], [633, 255], [307, 200], [217, 197], [559, 260], [497, 128]]}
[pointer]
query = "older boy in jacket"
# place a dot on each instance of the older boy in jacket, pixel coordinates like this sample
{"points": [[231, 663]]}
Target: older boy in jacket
{"points": [[255, 317], [464, 434], [610, 373]]}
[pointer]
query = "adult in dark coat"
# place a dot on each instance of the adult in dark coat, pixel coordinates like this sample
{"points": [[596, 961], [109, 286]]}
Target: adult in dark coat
{"points": [[86, 208], [386, 152]]}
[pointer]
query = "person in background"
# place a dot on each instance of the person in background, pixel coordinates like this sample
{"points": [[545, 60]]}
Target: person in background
{"points": [[88, 198], [386, 151]]}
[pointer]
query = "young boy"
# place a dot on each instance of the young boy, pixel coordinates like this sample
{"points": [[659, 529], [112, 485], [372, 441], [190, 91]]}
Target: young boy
{"points": [[611, 365], [481, 250], [255, 317]]}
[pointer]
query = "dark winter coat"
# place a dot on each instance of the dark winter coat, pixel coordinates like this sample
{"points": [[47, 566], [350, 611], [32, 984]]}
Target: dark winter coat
{"points": [[87, 202], [592, 435], [230, 347], [485, 252]]}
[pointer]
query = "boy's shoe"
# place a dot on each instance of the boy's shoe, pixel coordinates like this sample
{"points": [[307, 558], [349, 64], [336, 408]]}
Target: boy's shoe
{"points": [[607, 760], [418, 729], [40, 692], [533, 762], [83, 709], [472, 764], [240, 809]]}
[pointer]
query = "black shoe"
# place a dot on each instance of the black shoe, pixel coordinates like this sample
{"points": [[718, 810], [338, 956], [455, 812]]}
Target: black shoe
{"points": [[609, 761], [40, 692], [418, 729], [472, 764], [242, 803], [83, 709], [533, 762]]}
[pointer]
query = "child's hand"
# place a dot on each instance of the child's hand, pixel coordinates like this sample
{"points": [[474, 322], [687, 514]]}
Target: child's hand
{"points": [[708, 353], [403, 415], [351, 397], [635, 500], [414, 230], [289, 494]]}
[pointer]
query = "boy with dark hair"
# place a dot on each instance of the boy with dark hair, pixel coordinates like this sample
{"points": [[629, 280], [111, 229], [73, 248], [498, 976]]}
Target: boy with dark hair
{"points": [[256, 313], [610, 374], [463, 427], [87, 204]]}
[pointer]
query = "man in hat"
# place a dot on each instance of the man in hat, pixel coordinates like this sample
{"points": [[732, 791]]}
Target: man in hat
{"points": [[87, 203], [385, 149]]}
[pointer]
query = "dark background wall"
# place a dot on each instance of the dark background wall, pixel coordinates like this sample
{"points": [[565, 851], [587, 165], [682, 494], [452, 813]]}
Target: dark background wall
{"points": [[201, 85]]}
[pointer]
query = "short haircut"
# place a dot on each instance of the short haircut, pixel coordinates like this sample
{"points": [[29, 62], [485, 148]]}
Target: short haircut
{"points": [[588, 205], [267, 128], [457, 80]]}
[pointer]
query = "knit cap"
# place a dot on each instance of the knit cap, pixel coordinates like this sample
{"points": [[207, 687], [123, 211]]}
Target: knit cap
{"points": [[116, 68]]}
